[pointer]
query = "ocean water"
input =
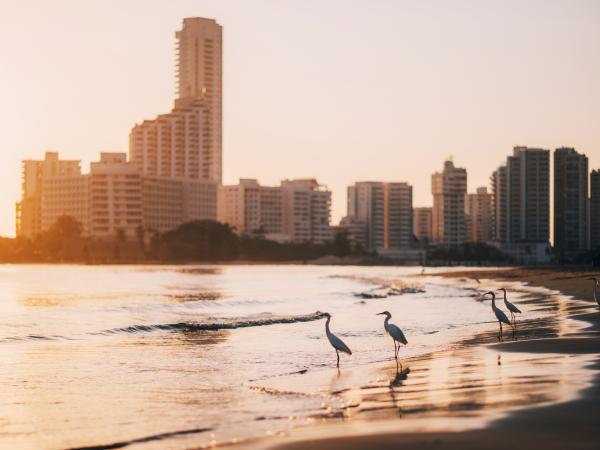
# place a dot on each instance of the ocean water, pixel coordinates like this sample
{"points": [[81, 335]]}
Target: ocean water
{"points": [[188, 356]]}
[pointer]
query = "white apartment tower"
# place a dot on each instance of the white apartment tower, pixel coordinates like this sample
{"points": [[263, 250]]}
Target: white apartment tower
{"points": [[448, 214], [385, 209], [187, 142], [306, 211], [571, 211], [528, 195], [249, 207], [200, 76], [478, 212], [498, 199]]}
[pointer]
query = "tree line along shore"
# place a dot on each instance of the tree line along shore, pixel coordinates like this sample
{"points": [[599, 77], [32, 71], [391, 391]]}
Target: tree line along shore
{"points": [[211, 241]]}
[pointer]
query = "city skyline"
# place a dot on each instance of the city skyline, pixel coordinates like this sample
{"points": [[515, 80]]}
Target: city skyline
{"points": [[303, 147]]}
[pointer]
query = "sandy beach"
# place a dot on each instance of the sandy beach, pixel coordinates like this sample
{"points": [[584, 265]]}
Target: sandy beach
{"points": [[539, 390]]}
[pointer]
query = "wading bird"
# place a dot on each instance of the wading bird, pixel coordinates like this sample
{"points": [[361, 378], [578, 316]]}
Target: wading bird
{"points": [[595, 289], [499, 314], [396, 334], [512, 308], [335, 341]]}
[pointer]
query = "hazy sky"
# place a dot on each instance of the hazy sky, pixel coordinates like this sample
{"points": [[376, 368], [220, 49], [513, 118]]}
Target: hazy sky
{"points": [[338, 90]]}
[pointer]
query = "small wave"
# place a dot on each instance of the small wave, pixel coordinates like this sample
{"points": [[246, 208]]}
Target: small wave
{"points": [[215, 326], [172, 327]]}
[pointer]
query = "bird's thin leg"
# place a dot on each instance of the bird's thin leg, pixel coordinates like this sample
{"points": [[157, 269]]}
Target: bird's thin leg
{"points": [[398, 351], [338, 358], [514, 328], [500, 330]]}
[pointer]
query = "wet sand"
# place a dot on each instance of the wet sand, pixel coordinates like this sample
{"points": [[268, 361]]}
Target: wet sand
{"points": [[540, 390]]}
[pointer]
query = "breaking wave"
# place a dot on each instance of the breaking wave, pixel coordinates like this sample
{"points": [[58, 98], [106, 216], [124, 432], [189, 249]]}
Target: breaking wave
{"points": [[213, 326]]}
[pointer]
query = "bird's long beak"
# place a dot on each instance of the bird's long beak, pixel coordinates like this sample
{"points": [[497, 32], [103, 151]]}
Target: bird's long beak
{"points": [[379, 314]]}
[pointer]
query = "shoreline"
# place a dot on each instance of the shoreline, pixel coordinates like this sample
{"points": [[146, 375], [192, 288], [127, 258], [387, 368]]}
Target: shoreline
{"points": [[557, 425]]}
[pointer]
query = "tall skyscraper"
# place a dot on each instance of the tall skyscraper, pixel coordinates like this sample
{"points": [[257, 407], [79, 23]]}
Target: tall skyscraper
{"points": [[187, 142], [528, 195], [448, 215], [478, 211], [200, 76], [570, 202], [595, 209], [385, 209]]}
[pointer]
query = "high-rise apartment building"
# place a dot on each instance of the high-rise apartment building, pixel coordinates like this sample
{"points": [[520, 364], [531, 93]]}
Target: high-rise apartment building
{"points": [[366, 204], [478, 213], [448, 214], [249, 207], [422, 224], [570, 202], [35, 176], [521, 205], [200, 77], [528, 195], [306, 211], [385, 209], [498, 208], [595, 209], [187, 142]]}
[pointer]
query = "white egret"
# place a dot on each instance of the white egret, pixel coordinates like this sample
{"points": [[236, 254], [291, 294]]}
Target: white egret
{"points": [[596, 290], [395, 332], [511, 307], [499, 314], [335, 341]]}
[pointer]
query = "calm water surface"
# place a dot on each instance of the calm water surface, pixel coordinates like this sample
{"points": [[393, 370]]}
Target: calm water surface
{"points": [[184, 356]]}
